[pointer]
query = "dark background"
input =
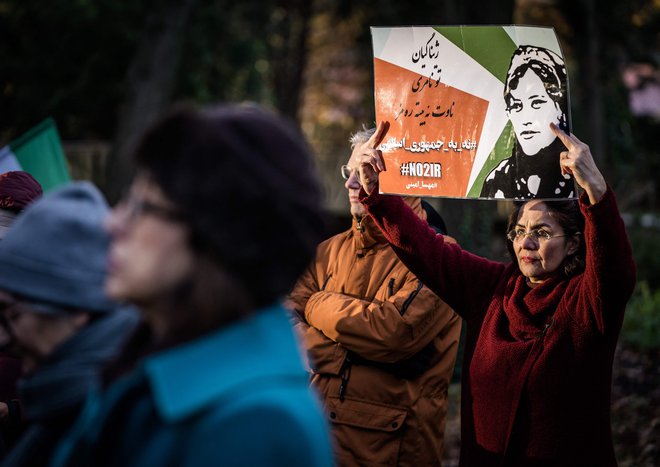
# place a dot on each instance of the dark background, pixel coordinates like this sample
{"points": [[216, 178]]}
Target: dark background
{"points": [[104, 69]]}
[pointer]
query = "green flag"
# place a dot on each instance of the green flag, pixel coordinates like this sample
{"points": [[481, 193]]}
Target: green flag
{"points": [[39, 152]]}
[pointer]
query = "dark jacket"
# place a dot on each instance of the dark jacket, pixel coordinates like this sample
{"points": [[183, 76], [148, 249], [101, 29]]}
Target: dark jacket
{"points": [[52, 397], [538, 361], [237, 396], [382, 349], [11, 427]]}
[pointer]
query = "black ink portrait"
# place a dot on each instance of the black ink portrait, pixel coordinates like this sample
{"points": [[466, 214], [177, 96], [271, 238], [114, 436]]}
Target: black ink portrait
{"points": [[535, 95]]}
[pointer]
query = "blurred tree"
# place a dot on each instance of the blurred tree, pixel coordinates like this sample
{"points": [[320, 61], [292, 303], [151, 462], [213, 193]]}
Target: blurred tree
{"points": [[103, 69], [253, 51], [97, 68], [149, 84], [64, 59], [600, 41], [229, 52]]}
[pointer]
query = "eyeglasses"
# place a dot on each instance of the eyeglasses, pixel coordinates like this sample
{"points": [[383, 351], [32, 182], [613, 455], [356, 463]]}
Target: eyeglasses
{"points": [[346, 172], [537, 235], [134, 207], [12, 307]]}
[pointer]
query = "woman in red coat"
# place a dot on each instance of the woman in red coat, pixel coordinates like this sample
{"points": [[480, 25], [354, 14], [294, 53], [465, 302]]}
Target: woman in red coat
{"points": [[541, 330]]}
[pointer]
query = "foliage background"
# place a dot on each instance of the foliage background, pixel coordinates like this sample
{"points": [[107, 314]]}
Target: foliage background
{"points": [[104, 69]]}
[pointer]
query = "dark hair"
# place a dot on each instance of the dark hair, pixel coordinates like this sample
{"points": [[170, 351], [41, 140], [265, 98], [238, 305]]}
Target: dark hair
{"points": [[244, 182], [548, 66], [570, 218]]}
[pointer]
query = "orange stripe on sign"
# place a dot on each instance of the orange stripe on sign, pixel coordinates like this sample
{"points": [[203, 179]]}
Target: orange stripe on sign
{"points": [[430, 123]]}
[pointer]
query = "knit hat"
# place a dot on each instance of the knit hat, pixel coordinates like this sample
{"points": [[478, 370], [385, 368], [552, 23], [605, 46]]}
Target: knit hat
{"points": [[245, 182], [55, 252], [17, 190]]}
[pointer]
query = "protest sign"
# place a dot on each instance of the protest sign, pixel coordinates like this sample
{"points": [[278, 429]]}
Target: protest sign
{"points": [[469, 109]]}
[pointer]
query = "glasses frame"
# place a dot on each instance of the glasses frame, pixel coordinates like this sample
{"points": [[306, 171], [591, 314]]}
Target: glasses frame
{"points": [[32, 306], [513, 236], [134, 207], [346, 172]]}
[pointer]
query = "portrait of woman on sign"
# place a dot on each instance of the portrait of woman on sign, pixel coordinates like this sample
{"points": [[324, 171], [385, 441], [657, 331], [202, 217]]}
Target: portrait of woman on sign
{"points": [[536, 94]]}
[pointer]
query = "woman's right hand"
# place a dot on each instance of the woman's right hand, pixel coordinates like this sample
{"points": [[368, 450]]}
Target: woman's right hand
{"points": [[370, 160]]}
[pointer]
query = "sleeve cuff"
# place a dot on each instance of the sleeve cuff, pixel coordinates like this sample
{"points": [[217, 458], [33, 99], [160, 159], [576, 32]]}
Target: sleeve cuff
{"points": [[370, 199], [604, 204]]}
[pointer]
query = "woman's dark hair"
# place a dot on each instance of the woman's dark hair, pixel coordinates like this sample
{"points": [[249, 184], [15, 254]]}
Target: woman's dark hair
{"points": [[244, 182], [548, 66], [570, 218]]}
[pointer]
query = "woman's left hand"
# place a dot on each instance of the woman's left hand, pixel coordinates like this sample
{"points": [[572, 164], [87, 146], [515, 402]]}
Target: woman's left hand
{"points": [[579, 162], [370, 160]]}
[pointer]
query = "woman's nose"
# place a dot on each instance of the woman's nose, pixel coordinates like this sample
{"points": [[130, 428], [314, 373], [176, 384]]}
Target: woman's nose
{"points": [[529, 244], [115, 220]]}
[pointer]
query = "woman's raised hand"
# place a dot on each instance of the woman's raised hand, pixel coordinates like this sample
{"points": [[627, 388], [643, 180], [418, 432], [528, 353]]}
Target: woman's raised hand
{"points": [[579, 162], [370, 160]]}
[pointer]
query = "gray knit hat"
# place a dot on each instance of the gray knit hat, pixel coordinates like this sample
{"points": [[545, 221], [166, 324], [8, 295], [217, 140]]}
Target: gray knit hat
{"points": [[55, 252]]}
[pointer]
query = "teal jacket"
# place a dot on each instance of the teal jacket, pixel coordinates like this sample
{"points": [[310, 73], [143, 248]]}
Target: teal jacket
{"points": [[235, 397]]}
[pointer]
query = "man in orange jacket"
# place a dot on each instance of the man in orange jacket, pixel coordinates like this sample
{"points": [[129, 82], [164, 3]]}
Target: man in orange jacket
{"points": [[381, 345]]}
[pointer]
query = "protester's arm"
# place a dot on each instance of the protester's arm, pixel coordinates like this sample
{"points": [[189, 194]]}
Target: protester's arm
{"points": [[463, 280], [609, 276]]}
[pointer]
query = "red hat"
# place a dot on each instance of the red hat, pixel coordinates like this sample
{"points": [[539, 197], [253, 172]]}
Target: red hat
{"points": [[17, 190]]}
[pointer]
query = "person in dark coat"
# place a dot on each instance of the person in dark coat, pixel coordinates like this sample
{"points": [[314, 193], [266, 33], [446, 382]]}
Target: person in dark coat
{"points": [[55, 316], [222, 217], [542, 329], [17, 190]]}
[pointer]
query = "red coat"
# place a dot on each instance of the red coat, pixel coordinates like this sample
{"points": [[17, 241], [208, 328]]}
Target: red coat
{"points": [[538, 361]]}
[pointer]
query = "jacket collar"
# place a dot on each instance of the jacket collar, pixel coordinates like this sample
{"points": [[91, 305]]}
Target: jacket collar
{"points": [[188, 377]]}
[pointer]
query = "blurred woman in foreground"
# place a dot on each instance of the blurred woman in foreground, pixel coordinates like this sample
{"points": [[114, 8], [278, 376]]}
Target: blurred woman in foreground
{"points": [[222, 217]]}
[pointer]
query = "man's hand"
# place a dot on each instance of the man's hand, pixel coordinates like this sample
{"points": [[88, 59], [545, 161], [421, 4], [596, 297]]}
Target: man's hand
{"points": [[4, 412]]}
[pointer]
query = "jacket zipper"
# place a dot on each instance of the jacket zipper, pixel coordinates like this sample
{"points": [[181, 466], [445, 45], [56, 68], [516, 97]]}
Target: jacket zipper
{"points": [[411, 297], [360, 251], [345, 376]]}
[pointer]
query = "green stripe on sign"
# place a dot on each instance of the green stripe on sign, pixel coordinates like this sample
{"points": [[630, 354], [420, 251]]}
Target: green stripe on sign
{"points": [[489, 46], [503, 147]]}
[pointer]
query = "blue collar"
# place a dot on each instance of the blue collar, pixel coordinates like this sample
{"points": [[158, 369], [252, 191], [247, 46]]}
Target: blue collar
{"points": [[186, 378]]}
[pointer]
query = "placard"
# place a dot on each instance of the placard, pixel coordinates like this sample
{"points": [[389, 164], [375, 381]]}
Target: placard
{"points": [[469, 109]]}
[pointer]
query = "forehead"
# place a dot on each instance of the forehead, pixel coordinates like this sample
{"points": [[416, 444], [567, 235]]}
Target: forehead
{"points": [[145, 187], [530, 82], [354, 154], [536, 212]]}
